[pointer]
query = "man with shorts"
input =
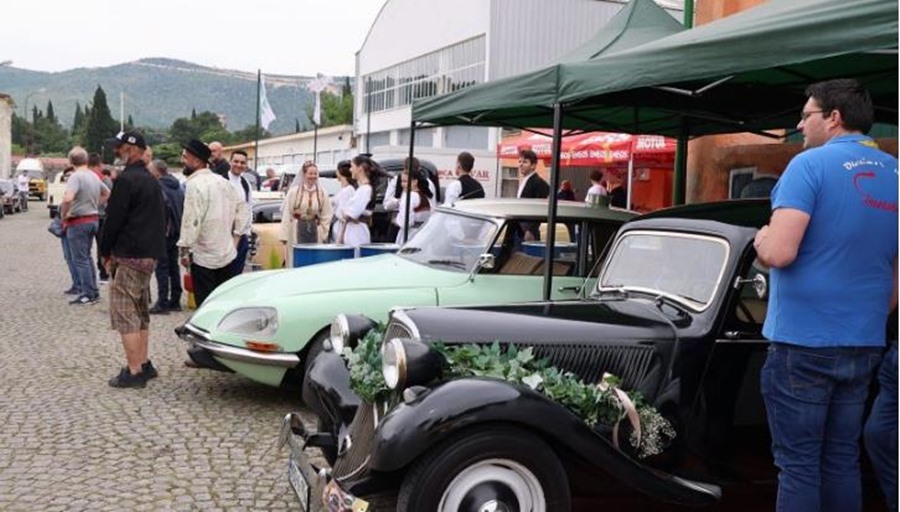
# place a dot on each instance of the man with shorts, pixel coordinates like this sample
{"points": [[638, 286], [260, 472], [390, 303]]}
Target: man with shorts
{"points": [[133, 240]]}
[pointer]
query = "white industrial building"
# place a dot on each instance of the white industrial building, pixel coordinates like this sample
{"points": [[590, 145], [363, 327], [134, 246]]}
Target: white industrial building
{"points": [[326, 147], [421, 48], [6, 105]]}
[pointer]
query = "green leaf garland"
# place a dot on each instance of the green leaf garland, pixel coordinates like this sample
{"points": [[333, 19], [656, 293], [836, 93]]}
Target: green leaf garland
{"points": [[595, 405]]}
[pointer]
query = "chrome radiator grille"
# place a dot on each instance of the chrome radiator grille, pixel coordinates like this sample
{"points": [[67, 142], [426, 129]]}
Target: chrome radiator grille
{"points": [[361, 433], [629, 362], [396, 330]]}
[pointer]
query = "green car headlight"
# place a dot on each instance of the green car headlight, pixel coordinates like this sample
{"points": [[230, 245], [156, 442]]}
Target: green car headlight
{"points": [[260, 322], [340, 333]]}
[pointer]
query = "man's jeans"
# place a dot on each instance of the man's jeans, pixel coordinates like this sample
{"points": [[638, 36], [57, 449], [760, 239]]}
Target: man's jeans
{"points": [[168, 277], [67, 255], [81, 238], [881, 428], [237, 265], [814, 402], [23, 198]]}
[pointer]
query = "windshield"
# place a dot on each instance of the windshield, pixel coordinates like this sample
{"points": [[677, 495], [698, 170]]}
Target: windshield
{"points": [[450, 241], [683, 266]]}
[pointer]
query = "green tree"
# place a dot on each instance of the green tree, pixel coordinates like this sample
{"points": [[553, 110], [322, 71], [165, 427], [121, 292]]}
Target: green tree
{"points": [[100, 126], [130, 122], [79, 117], [296, 126], [204, 126], [336, 109], [51, 116], [249, 133]]}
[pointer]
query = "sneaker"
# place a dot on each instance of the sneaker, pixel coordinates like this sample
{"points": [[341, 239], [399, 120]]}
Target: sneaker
{"points": [[159, 309], [148, 371], [126, 380], [103, 280], [72, 291], [173, 306], [85, 300]]}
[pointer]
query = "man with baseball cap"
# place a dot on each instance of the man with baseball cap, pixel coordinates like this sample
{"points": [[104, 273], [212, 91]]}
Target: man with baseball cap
{"points": [[133, 240], [213, 220]]}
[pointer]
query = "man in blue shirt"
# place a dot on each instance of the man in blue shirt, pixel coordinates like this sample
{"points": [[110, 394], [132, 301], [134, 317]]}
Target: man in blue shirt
{"points": [[832, 246]]}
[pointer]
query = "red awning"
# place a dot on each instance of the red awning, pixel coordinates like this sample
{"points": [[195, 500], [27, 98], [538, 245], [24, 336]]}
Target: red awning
{"points": [[594, 149]]}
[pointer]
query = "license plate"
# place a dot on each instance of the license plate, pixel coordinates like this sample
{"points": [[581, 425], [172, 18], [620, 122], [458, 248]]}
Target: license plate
{"points": [[297, 478], [338, 500]]}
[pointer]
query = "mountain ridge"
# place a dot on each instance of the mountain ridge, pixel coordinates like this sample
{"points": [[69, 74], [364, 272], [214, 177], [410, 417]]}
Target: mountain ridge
{"points": [[159, 90]]}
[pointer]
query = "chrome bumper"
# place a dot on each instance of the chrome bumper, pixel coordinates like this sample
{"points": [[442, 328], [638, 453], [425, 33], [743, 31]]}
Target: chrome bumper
{"points": [[197, 337], [314, 488]]}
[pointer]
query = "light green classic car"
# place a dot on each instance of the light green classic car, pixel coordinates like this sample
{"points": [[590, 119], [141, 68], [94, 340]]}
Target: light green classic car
{"points": [[263, 325]]}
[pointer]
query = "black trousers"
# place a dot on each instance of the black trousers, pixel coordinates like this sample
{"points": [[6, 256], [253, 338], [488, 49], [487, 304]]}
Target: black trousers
{"points": [[207, 279], [168, 277], [100, 268]]}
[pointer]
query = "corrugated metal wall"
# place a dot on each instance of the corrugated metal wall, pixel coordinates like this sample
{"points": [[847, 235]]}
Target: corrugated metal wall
{"points": [[520, 42]]}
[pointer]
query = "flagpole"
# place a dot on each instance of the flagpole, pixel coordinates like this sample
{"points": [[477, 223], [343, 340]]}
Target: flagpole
{"points": [[315, 143], [256, 143]]}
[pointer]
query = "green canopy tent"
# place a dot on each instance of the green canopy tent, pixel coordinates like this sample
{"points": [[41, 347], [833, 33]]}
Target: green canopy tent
{"points": [[746, 72], [743, 73], [530, 96]]}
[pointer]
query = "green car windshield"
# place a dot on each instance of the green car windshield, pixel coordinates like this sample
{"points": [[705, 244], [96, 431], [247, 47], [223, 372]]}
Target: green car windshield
{"points": [[450, 241], [683, 266]]}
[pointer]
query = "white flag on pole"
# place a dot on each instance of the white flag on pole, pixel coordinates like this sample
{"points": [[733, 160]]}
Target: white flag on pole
{"points": [[266, 116], [319, 84]]}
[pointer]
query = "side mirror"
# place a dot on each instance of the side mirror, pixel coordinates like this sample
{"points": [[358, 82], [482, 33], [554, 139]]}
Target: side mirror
{"points": [[759, 282], [486, 260]]}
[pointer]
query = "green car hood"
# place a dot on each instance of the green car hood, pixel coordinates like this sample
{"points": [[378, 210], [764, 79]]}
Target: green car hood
{"points": [[282, 287]]}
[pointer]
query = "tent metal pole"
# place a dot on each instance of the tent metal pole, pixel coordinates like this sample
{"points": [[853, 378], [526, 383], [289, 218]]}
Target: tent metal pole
{"points": [[630, 175], [408, 192], [679, 182], [552, 202]]}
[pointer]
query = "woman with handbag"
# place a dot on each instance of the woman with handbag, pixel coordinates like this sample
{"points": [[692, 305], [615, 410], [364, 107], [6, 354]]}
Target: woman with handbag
{"points": [[306, 212]]}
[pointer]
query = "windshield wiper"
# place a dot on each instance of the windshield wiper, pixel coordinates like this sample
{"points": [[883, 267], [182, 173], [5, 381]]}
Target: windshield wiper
{"points": [[452, 263], [409, 250]]}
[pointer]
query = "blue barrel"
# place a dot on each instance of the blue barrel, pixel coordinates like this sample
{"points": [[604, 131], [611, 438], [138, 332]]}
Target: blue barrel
{"points": [[310, 254], [563, 250], [376, 249]]}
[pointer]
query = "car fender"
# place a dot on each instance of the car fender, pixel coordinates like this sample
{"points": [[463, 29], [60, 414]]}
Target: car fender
{"points": [[326, 390], [411, 429]]}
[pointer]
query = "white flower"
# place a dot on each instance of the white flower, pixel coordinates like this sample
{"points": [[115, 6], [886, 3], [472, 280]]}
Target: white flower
{"points": [[533, 381]]}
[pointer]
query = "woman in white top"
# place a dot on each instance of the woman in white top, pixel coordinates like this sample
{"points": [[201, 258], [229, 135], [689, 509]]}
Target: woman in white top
{"points": [[420, 203], [597, 189], [348, 187], [356, 213]]}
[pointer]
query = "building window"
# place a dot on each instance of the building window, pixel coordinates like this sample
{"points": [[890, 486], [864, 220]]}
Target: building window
{"points": [[466, 137], [445, 70]]}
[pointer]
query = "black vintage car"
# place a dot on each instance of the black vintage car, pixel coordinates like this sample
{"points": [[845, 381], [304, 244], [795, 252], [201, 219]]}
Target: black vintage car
{"points": [[676, 314]]}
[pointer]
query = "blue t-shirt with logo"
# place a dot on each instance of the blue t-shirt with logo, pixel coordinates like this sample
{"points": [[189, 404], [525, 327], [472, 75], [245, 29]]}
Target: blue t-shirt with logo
{"points": [[837, 290]]}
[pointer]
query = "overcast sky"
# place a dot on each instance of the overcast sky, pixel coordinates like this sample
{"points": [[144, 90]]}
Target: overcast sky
{"points": [[296, 37]]}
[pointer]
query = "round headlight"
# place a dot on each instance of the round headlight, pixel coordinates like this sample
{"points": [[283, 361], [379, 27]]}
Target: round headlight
{"points": [[261, 322], [393, 363], [340, 333]]}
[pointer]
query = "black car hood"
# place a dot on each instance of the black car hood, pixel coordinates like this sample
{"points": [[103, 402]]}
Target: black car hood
{"points": [[564, 322]]}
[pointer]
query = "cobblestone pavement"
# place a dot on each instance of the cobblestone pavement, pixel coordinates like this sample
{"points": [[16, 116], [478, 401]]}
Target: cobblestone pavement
{"points": [[191, 440]]}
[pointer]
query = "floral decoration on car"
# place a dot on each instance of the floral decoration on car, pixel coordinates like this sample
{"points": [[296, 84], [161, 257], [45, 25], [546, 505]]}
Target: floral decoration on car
{"points": [[602, 406]]}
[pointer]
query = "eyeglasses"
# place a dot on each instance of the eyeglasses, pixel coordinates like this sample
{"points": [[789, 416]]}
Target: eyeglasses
{"points": [[805, 115]]}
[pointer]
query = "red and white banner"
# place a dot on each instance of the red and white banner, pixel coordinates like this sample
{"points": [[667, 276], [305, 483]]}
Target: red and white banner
{"points": [[593, 149]]}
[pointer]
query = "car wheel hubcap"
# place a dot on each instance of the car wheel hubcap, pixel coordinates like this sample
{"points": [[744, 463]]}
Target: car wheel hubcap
{"points": [[494, 485]]}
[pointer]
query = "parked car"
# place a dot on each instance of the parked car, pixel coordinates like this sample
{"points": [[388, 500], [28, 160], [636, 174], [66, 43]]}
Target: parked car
{"points": [[37, 184], [267, 250], [265, 325], [676, 314], [56, 189], [9, 195]]}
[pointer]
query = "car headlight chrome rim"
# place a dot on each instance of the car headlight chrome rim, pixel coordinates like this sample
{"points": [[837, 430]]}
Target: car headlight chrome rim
{"points": [[393, 363], [340, 333], [258, 322]]}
